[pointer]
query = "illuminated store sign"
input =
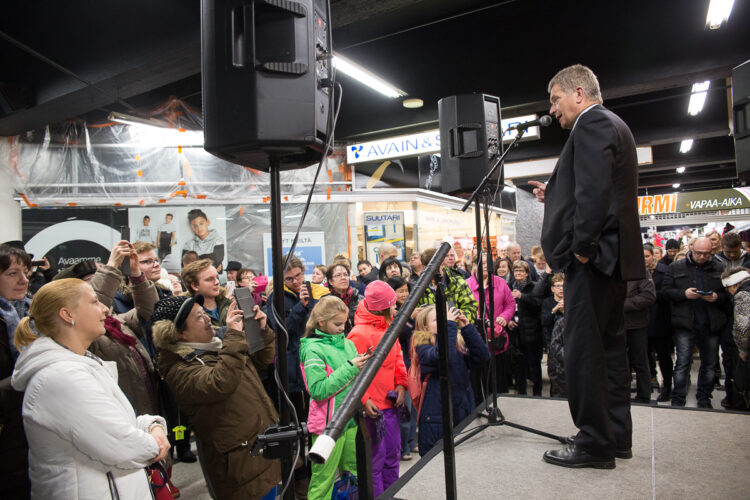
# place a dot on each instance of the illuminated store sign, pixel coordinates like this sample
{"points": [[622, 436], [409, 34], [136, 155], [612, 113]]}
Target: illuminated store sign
{"points": [[422, 143], [695, 201]]}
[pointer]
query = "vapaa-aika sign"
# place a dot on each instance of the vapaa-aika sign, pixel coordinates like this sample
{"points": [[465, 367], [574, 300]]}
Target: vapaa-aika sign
{"points": [[422, 143], [695, 201]]}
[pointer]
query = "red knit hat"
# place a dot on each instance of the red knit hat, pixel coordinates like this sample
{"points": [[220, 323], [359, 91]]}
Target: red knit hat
{"points": [[379, 296]]}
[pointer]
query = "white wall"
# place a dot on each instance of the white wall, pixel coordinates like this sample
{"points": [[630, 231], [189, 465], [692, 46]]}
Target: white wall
{"points": [[10, 212]]}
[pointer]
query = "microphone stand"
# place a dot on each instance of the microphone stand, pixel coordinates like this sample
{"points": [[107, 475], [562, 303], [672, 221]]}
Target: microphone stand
{"points": [[493, 414], [352, 404]]}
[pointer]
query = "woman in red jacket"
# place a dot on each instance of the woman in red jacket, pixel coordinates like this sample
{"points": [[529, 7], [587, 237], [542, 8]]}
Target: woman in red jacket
{"points": [[388, 388]]}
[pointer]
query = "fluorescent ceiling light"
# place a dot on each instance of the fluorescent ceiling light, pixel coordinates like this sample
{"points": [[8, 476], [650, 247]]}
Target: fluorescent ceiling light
{"points": [[680, 170], [363, 76], [718, 13], [136, 120], [676, 185], [151, 132], [698, 97], [412, 103], [686, 145]]}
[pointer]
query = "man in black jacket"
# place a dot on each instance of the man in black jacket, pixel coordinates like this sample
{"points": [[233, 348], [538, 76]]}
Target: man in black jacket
{"points": [[699, 302], [592, 233]]}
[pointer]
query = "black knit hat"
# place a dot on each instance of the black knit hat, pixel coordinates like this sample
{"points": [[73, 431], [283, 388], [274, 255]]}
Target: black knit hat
{"points": [[672, 244], [80, 270], [233, 265], [175, 309]]}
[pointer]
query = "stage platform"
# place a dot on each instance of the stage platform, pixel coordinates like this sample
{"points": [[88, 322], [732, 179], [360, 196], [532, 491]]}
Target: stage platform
{"points": [[677, 453]]}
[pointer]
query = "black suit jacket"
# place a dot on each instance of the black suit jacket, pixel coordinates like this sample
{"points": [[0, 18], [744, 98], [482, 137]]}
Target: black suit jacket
{"points": [[591, 200]]}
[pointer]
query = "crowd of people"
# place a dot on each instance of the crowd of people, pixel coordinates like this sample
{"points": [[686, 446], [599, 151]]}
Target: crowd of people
{"points": [[107, 370]]}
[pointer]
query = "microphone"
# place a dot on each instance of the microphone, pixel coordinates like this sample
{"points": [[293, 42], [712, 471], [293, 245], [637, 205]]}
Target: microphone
{"points": [[543, 121]]}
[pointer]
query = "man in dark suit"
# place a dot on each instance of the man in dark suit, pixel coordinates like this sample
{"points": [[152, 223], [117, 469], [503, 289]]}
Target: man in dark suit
{"points": [[592, 233]]}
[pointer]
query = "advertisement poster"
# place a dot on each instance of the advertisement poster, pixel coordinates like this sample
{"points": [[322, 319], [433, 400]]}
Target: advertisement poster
{"points": [[310, 249], [380, 228], [176, 230], [67, 236]]}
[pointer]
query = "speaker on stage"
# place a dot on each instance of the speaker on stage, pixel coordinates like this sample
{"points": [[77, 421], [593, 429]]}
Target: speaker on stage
{"points": [[470, 137], [741, 108], [262, 65]]}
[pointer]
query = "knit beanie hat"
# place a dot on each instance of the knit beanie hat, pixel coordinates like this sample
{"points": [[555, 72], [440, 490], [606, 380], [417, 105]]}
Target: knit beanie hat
{"points": [[672, 244], [175, 309], [80, 270], [379, 296]]}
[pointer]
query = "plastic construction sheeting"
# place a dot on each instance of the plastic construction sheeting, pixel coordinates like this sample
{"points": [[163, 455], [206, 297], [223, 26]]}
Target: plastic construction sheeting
{"points": [[74, 163]]}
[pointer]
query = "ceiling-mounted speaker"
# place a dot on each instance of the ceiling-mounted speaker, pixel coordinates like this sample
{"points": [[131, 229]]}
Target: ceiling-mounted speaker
{"points": [[469, 140], [265, 75], [741, 116]]}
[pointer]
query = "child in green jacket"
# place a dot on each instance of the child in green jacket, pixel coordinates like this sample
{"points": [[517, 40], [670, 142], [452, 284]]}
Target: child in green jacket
{"points": [[329, 364]]}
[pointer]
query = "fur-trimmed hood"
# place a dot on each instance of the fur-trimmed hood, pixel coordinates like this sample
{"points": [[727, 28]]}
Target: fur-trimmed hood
{"points": [[166, 338], [421, 338]]}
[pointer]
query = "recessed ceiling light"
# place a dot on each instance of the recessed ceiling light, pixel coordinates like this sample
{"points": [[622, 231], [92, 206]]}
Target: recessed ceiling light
{"points": [[413, 103], [680, 170], [676, 185], [698, 97], [686, 145], [718, 13]]}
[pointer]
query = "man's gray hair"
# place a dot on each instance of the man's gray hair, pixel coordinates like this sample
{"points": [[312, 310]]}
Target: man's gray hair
{"points": [[574, 76]]}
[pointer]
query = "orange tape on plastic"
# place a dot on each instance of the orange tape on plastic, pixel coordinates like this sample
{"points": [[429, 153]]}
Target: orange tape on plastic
{"points": [[72, 204], [179, 149], [328, 193], [140, 173], [188, 170], [242, 211], [142, 202], [341, 168], [181, 192], [181, 183], [201, 196], [162, 200], [330, 176], [266, 199], [28, 203]]}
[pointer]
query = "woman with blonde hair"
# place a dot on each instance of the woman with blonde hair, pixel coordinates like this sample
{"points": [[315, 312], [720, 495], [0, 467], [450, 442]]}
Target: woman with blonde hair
{"points": [[85, 440]]}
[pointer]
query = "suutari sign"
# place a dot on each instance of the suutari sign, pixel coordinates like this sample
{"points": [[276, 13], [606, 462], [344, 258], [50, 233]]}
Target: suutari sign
{"points": [[695, 201]]}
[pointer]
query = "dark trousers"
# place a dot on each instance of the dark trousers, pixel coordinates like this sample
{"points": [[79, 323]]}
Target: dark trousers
{"points": [[531, 368], [663, 347], [596, 367], [729, 357], [638, 360]]}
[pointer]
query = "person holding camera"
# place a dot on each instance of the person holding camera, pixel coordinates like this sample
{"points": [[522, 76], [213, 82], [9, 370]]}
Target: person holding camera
{"points": [[693, 286], [216, 383], [85, 440], [526, 326]]}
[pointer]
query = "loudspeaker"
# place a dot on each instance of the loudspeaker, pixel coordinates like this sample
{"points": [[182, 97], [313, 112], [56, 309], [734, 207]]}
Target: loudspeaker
{"points": [[262, 65], [741, 109], [469, 139]]}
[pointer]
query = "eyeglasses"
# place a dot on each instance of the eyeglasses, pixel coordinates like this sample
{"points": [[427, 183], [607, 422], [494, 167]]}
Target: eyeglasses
{"points": [[148, 262], [292, 279], [339, 276], [696, 252], [558, 285]]}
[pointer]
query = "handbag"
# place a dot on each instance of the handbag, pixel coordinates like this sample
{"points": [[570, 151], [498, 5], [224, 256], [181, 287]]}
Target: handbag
{"points": [[158, 479], [346, 487]]}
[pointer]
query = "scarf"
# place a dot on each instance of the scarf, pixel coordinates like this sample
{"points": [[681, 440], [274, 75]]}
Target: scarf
{"points": [[346, 296], [212, 346], [114, 330], [12, 312]]}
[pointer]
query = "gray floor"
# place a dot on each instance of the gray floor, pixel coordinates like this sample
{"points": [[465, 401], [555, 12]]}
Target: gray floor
{"points": [[669, 449]]}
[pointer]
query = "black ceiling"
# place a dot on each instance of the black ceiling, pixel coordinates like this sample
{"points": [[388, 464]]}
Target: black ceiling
{"points": [[647, 54]]}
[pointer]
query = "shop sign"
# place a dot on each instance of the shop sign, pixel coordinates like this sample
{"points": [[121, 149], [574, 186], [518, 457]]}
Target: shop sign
{"points": [[310, 249], [422, 143], [695, 201], [383, 227]]}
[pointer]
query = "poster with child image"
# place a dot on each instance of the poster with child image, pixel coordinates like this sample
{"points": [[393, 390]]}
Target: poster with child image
{"points": [[178, 230]]}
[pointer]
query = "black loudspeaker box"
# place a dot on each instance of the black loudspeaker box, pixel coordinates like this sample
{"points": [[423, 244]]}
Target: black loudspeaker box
{"points": [[262, 65], [470, 137]]}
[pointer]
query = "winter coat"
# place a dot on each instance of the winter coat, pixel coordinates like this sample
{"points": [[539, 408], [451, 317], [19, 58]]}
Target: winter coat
{"points": [[295, 317], [640, 295], [328, 372], [680, 276], [367, 332], [462, 395], [363, 281], [14, 450], [456, 291], [80, 426], [351, 298], [529, 330], [741, 327], [660, 314], [122, 300], [549, 318], [137, 380], [228, 408], [504, 304]]}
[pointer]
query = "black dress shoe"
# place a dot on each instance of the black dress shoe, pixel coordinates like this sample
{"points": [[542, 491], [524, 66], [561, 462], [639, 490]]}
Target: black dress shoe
{"points": [[187, 457], [624, 454], [704, 404], [573, 456]]}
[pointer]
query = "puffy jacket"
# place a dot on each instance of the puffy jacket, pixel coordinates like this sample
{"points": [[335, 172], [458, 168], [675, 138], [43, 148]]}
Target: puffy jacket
{"points": [[462, 395], [295, 317], [680, 276], [138, 385], [367, 332], [228, 407], [80, 426], [327, 370], [660, 315], [640, 295], [504, 304]]}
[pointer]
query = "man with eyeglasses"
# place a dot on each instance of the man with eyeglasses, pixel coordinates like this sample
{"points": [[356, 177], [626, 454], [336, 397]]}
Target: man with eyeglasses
{"points": [[699, 300], [149, 265]]}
